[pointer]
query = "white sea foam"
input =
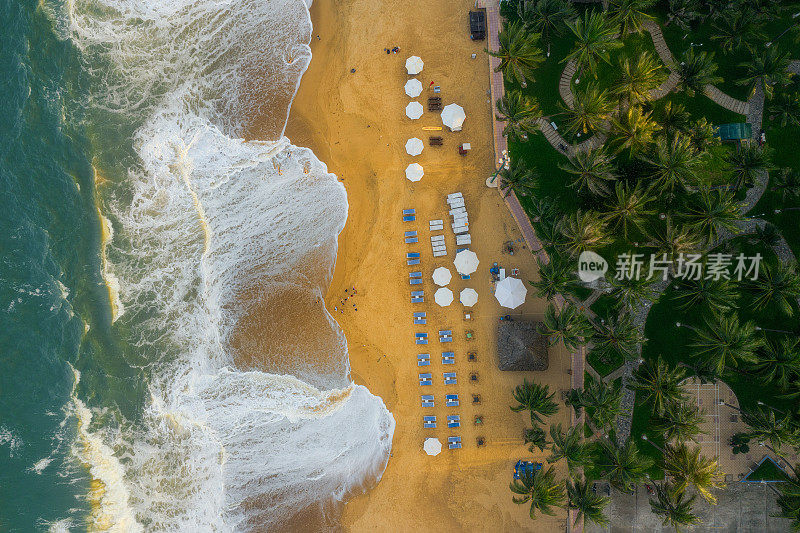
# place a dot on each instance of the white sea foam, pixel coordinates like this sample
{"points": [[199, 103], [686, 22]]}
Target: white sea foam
{"points": [[202, 219]]}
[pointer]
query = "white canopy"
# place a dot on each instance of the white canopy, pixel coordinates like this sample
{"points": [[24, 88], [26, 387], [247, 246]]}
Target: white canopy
{"points": [[442, 276], [443, 297], [453, 116], [414, 65], [414, 110], [432, 446], [414, 172], [469, 297], [414, 146], [510, 292], [466, 262], [413, 87]]}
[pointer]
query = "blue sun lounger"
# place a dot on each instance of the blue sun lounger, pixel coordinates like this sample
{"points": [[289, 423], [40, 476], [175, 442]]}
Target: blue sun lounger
{"points": [[451, 400], [423, 359], [427, 400], [429, 422], [421, 338], [412, 258], [419, 318], [417, 297], [448, 358], [415, 274], [449, 378], [411, 240], [411, 233], [415, 282], [425, 379], [454, 421], [415, 278], [454, 443], [409, 211]]}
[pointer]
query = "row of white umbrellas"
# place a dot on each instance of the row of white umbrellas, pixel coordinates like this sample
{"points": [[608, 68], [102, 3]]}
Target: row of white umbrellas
{"points": [[453, 115], [444, 297]]}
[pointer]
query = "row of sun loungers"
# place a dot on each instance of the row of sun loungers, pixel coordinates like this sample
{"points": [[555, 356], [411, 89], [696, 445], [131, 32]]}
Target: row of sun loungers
{"points": [[420, 318], [424, 359], [445, 335], [412, 258], [448, 377], [417, 297], [438, 245], [436, 225], [453, 421], [451, 400], [411, 237], [409, 215]]}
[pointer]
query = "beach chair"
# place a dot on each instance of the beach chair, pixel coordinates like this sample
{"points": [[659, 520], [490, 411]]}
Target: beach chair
{"points": [[423, 359], [415, 282], [448, 358], [411, 233], [417, 293], [415, 275], [446, 336], [464, 239], [409, 218], [460, 229], [454, 195], [409, 211], [457, 202], [427, 400], [429, 421], [412, 255], [411, 240], [440, 253], [435, 141], [417, 299], [449, 378], [453, 421], [419, 318], [412, 262], [421, 338], [454, 443], [451, 400], [425, 379]]}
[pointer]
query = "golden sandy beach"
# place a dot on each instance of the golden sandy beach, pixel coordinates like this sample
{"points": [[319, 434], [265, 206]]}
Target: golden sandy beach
{"points": [[355, 123]]}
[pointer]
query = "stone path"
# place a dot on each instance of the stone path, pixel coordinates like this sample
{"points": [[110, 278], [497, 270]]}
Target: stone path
{"points": [[722, 99], [565, 83]]}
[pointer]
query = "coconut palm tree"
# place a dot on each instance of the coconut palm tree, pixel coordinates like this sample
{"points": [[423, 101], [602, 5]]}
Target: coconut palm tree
{"points": [[638, 77], [727, 343], [546, 17], [767, 235], [737, 31], [568, 326], [520, 113], [659, 384], [712, 211], [555, 277], [789, 499], [680, 422], [777, 287], [786, 108], [672, 508], [787, 183], [631, 14], [768, 68], [687, 466], [595, 38], [632, 291], [617, 334], [674, 164], [778, 363], [766, 426], [518, 178], [536, 437], [703, 135], [588, 504], [747, 163], [590, 111], [602, 402], [593, 170], [582, 231], [535, 398], [569, 446], [696, 70], [519, 53], [633, 130], [629, 208], [673, 119], [621, 464], [706, 294], [683, 13], [541, 489], [704, 371], [673, 239]]}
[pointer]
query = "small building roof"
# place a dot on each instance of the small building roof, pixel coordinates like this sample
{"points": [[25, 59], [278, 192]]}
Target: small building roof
{"points": [[520, 346], [735, 132]]}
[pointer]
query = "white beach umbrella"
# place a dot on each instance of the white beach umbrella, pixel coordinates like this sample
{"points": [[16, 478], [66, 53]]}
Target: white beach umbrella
{"points": [[414, 146], [453, 116], [414, 65], [414, 110], [413, 87], [466, 262], [510, 292], [443, 297], [442, 276], [469, 297], [414, 172], [432, 446]]}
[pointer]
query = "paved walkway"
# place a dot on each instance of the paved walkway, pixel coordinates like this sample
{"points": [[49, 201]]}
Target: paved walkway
{"points": [[722, 99]]}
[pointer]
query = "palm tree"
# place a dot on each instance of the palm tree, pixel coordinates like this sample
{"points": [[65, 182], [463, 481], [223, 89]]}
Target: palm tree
{"points": [[536, 437], [633, 130], [555, 277], [631, 292], [766, 426], [767, 69], [568, 326], [659, 384], [569, 446], [590, 111], [617, 334], [588, 504], [687, 466], [602, 402], [519, 53], [727, 343], [737, 31], [595, 38], [593, 170], [622, 464], [673, 509], [518, 178], [629, 208], [706, 294], [674, 163], [638, 77], [697, 70], [674, 239], [789, 499], [786, 108], [546, 17], [777, 287], [520, 112], [535, 398], [703, 135], [683, 13], [673, 119], [712, 211], [631, 14], [541, 489], [747, 163], [787, 183], [582, 231], [779, 363], [680, 422]]}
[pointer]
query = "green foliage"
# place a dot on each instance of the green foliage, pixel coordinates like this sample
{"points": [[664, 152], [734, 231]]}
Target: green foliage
{"points": [[541, 489], [535, 398], [519, 53]]}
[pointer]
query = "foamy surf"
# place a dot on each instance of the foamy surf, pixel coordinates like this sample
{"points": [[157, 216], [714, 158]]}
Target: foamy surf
{"points": [[208, 229]]}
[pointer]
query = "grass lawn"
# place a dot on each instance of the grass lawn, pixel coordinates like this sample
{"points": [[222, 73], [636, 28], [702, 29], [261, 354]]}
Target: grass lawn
{"points": [[767, 471], [605, 365]]}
